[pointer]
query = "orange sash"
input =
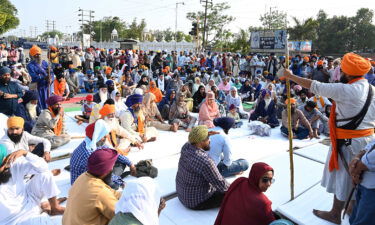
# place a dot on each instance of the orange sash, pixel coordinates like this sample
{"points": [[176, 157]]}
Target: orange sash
{"points": [[113, 141], [59, 87], [321, 100], [338, 133], [141, 125], [58, 129]]}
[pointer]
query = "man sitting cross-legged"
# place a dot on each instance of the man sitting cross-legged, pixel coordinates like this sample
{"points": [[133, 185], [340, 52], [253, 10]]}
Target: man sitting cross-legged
{"points": [[24, 181]]}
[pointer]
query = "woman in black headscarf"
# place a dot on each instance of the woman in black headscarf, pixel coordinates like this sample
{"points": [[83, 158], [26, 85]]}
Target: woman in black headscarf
{"points": [[198, 98], [143, 81]]}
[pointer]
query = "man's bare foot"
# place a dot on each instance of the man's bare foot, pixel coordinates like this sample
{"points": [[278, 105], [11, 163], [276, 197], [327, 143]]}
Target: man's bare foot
{"points": [[239, 173], [327, 216], [62, 199], [188, 129], [174, 127], [152, 139], [59, 210], [55, 172], [46, 207], [79, 122]]}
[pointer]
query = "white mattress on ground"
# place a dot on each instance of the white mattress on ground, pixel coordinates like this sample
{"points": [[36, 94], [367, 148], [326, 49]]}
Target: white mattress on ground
{"points": [[167, 144], [75, 130], [165, 154], [317, 152], [64, 177], [278, 193], [67, 148], [167, 170], [300, 209]]}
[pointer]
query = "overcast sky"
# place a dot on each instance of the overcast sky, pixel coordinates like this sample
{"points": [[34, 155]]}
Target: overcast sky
{"points": [[160, 14]]}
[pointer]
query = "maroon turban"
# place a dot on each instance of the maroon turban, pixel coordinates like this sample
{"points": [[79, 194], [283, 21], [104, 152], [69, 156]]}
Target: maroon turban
{"points": [[101, 161], [53, 100]]}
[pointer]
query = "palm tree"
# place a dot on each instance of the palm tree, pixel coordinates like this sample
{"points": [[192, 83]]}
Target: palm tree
{"points": [[304, 30]]}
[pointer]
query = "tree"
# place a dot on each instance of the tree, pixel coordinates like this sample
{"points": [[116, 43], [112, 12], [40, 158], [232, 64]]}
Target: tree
{"points": [[135, 30], [217, 20], [304, 30], [52, 34], [8, 18], [363, 31], [103, 28], [241, 42], [341, 34], [274, 20]]}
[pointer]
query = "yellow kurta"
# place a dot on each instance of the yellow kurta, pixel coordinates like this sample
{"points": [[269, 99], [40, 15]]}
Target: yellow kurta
{"points": [[91, 201]]}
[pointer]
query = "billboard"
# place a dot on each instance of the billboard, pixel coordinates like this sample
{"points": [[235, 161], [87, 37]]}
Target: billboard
{"points": [[268, 40], [300, 46]]}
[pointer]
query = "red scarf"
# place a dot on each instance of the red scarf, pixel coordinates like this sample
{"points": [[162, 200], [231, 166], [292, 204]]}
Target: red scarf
{"points": [[244, 203]]}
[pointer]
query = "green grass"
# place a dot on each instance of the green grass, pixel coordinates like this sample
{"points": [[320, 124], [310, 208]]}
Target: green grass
{"points": [[71, 109]]}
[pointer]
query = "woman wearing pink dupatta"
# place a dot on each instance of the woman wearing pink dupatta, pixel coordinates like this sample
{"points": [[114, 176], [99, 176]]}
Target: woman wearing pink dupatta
{"points": [[208, 111]]}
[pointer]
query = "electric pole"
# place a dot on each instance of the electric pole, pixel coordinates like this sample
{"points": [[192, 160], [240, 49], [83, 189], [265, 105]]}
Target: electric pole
{"points": [[205, 22], [175, 29], [86, 18], [49, 24]]}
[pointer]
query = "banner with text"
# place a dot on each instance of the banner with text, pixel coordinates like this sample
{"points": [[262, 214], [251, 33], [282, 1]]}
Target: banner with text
{"points": [[268, 40]]}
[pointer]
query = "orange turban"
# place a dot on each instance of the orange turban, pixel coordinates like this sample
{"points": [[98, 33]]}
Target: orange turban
{"points": [[107, 109], [15, 121], [306, 59], [53, 48], [165, 71], [319, 63], [354, 65], [292, 101], [35, 50], [167, 68], [108, 70]]}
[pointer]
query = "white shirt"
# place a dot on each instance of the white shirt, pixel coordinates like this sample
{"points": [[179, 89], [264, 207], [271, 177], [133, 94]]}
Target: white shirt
{"points": [[20, 201], [26, 140]]}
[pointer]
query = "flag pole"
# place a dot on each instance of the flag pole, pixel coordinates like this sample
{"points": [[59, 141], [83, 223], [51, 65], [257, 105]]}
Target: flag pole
{"points": [[290, 131]]}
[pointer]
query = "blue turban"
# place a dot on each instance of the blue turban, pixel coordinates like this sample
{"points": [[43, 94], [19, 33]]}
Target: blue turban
{"points": [[133, 99], [265, 91], [4, 70], [89, 72], [109, 82], [72, 70], [224, 122], [29, 96]]}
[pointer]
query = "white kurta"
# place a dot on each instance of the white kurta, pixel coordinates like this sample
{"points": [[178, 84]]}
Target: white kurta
{"points": [[26, 140], [20, 198], [350, 99]]}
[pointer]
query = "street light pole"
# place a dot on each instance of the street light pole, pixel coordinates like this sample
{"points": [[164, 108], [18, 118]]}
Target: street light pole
{"points": [[175, 29]]}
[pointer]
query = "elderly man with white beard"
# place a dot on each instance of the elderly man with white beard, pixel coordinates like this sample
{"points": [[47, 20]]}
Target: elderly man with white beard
{"points": [[28, 109], [102, 95], [119, 137]]}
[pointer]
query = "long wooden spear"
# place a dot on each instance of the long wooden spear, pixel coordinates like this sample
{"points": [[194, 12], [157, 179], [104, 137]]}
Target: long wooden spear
{"points": [[290, 131]]}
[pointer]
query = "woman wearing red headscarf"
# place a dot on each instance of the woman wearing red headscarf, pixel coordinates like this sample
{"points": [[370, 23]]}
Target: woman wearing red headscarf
{"points": [[245, 203]]}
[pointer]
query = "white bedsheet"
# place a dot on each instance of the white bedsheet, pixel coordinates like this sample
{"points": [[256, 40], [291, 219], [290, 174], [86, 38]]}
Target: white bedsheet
{"points": [[317, 152], [300, 209]]}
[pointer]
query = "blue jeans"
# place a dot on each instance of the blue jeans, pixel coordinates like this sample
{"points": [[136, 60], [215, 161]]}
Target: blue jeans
{"points": [[301, 132], [363, 212], [237, 166]]}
